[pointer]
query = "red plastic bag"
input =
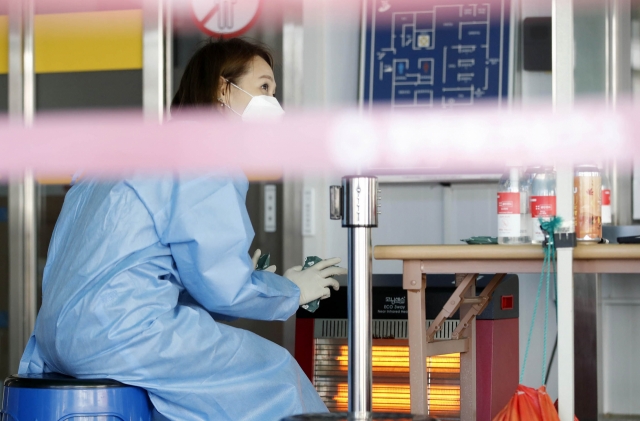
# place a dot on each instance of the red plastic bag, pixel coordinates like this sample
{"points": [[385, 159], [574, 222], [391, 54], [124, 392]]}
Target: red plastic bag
{"points": [[529, 404]]}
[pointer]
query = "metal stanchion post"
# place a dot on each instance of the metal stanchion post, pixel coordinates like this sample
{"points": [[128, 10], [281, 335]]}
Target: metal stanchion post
{"points": [[357, 205], [360, 215]]}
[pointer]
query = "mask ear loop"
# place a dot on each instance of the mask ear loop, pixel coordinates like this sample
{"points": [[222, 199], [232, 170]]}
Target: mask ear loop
{"points": [[223, 104], [237, 87]]}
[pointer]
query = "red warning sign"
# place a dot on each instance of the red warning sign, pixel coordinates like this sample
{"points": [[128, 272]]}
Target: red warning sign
{"points": [[225, 18]]}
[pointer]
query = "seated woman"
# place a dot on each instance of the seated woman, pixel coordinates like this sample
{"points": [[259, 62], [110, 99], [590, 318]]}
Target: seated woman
{"points": [[139, 269]]}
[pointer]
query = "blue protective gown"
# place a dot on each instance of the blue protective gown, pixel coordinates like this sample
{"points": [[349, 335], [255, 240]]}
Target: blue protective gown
{"points": [[137, 272]]}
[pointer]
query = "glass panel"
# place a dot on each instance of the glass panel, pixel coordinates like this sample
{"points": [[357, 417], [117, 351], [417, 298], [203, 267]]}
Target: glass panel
{"points": [[635, 47], [80, 80], [4, 192], [72, 74], [4, 57], [49, 204], [590, 27], [4, 280]]}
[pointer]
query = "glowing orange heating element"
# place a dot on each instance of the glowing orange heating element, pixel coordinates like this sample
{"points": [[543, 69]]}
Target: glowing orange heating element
{"points": [[396, 396], [384, 358], [386, 397]]}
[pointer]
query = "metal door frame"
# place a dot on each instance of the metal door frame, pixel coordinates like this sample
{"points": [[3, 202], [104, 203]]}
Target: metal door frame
{"points": [[22, 187]]}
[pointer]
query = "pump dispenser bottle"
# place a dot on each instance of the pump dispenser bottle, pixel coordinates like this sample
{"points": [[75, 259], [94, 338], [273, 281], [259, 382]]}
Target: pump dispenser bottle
{"points": [[514, 225]]}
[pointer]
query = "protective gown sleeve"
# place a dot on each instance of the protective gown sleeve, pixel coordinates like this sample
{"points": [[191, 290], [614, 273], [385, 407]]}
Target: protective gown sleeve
{"points": [[205, 222]]}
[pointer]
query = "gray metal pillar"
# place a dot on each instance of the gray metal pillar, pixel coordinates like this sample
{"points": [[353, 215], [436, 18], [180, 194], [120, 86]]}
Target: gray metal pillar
{"points": [[563, 95], [619, 81], [619, 90], [22, 266], [292, 55], [359, 211], [153, 60], [292, 184], [22, 188], [168, 56]]}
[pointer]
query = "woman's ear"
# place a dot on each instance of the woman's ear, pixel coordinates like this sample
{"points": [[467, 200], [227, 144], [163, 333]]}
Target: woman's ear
{"points": [[223, 89]]}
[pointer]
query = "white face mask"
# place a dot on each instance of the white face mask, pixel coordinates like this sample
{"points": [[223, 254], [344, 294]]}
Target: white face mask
{"points": [[261, 107]]}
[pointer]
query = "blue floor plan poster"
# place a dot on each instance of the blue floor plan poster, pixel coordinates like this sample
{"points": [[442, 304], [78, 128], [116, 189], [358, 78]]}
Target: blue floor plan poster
{"points": [[435, 54]]}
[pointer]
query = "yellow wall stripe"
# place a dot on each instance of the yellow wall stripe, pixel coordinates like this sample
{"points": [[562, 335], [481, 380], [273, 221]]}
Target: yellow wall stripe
{"points": [[88, 41], [4, 45], [66, 179], [53, 180], [82, 42]]}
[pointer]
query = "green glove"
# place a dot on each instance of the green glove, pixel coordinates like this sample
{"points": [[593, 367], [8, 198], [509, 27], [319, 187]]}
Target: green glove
{"points": [[313, 305], [259, 260], [263, 262], [315, 279]]}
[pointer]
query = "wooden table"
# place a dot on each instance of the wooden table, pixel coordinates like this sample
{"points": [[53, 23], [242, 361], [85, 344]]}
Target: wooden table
{"points": [[464, 261]]}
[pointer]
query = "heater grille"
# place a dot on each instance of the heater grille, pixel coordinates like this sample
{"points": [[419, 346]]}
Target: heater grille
{"points": [[390, 360], [381, 329]]}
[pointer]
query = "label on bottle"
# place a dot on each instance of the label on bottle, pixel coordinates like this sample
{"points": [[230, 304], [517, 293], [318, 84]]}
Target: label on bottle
{"points": [[537, 236], [508, 203], [606, 215], [587, 207], [543, 206], [509, 214], [606, 206]]}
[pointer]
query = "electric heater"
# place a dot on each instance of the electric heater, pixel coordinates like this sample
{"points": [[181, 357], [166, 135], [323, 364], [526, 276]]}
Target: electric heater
{"points": [[322, 350]]}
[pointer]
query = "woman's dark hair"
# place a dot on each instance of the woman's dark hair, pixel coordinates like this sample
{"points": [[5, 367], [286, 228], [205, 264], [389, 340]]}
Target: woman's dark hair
{"points": [[227, 58]]}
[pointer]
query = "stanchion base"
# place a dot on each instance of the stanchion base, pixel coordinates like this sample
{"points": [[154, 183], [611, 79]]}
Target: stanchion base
{"points": [[346, 416]]}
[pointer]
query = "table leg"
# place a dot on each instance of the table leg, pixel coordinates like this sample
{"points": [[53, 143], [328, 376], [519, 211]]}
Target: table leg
{"points": [[562, 12], [566, 368], [415, 284], [468, 361]]}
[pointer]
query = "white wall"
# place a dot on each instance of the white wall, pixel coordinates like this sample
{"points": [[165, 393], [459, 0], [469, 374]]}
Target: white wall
{"points": [[330, 73], [533, 374], [536, 88], [331, 53], [621, 343], [415, 213]]}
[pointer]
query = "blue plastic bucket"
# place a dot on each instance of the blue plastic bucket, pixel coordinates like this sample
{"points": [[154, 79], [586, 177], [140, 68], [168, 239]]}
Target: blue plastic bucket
{"points": [[54, 397]]}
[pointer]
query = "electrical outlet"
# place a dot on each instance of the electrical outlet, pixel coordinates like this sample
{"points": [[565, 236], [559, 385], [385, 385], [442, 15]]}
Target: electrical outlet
{"points": [[309, 212], [270, 208]]}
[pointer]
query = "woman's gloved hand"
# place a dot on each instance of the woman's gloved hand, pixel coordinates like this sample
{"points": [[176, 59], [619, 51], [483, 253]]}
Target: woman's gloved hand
{"points": [[256, 257], [315, 281]]}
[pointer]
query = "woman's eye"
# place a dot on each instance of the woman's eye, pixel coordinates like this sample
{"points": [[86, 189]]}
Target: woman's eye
{"points": [[265, 87]]}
